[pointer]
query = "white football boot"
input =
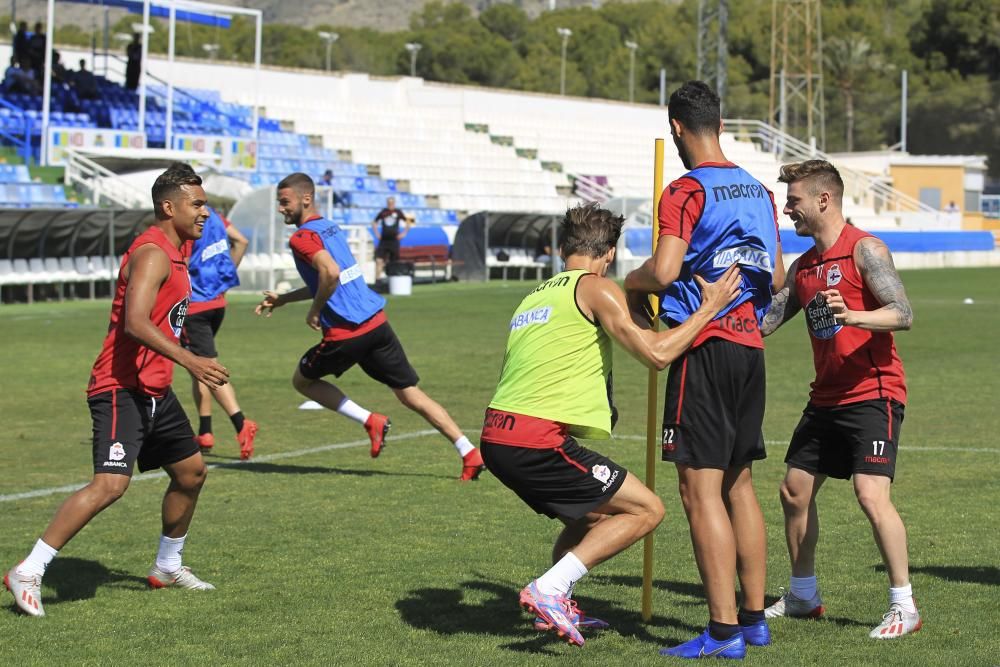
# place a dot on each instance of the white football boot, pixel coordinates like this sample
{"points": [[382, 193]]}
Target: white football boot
{"points": [[896, 622], [182, 578]]}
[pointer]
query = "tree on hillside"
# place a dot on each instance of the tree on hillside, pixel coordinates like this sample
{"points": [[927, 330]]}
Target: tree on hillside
{"points": [[846, 60]]}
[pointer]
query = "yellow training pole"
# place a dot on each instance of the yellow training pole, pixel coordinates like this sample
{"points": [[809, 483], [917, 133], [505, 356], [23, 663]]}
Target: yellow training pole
{"points": [[651, 403]]}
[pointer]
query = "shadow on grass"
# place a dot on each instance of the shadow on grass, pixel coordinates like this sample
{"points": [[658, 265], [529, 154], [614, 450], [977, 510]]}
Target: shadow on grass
{"points": [[286, 469], [77, 579], [494, 611], [969, 574]]}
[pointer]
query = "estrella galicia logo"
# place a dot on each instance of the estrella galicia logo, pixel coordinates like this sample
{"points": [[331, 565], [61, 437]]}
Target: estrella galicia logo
{"points": [[177, 315], [822, 324]]}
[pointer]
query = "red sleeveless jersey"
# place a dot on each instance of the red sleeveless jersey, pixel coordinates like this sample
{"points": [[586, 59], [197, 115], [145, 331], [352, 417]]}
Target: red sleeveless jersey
{"points": [[125, 363], [852, 364]]}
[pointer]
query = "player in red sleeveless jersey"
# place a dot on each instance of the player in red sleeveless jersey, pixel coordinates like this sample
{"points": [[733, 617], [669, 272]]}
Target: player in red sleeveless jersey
{"points": [[136, 416], [853, 300]]}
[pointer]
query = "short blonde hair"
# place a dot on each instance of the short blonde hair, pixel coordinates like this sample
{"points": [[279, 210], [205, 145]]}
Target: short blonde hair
{"points": [[822, 175]]}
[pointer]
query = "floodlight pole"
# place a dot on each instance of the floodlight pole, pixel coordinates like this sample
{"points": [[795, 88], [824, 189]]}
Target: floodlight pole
{"points": [[172, 34], [329, 38], [565, 33], [631, 46], [414, 49], [47, 82], [143, 65], [256, 89], [902, 117]]}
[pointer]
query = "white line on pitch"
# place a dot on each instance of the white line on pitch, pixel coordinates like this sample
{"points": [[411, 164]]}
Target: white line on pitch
{"points": [[69, 488], [904, 448]]}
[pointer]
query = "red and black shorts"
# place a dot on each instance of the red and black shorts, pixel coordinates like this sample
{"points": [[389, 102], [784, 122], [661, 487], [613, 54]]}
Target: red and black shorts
{"points": [[714, 406], [131, 427], [568, 481], [378, 352], [199, 331], [843, 440]]}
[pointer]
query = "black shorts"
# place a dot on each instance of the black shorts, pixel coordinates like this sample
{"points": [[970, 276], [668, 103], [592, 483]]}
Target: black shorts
{"points": [[378, 352], [387, 250], [199, 331], [130, 426], [714, 406], [843, 440], [568, 481]]}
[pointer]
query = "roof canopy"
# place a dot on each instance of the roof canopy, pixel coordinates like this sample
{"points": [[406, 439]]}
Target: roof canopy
{"points": [[162, 10], [27, 233]]}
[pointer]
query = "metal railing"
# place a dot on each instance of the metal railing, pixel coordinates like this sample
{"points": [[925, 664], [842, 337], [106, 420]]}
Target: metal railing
{"points": [[588, 189], [101, 185], [861, 188], [22, 141]]}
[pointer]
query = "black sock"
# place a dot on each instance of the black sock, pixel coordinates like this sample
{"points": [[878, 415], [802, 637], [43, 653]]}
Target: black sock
{"points": [[747, 617], [204, 424], [722, 631], [237, 419]]}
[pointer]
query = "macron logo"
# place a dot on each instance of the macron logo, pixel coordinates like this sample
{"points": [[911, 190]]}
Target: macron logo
{"points": [[744, 255]]}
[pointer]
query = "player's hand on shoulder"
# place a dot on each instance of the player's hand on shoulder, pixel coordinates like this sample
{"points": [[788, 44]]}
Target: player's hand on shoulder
{"points": [[716, 296], [208, 371], [271, 301]]}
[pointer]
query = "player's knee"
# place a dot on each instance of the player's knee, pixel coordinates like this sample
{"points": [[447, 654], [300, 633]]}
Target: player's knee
{"points": [[874, 501], [792, 497], [192, 480], [110, 488], [653, 511], [300, 382]]}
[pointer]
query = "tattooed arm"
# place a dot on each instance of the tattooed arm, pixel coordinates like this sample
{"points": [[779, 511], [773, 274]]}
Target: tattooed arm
{"points": [[874, 261], [784, 304]]}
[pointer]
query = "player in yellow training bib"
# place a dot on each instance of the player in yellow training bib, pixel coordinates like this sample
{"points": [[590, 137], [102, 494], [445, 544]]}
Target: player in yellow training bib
{"points": [[555, 386]]}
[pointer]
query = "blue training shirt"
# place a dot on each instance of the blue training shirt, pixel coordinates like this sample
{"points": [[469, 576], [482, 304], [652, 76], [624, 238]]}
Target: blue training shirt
{"points": [[211, 266], [737, 225], [352, 302]]}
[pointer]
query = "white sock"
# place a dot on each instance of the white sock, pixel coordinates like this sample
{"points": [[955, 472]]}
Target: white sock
{"points": [[804, 588], [39, 558], [903, 596], [352, 410], [168, 558], [464, 446], [562, 576]]}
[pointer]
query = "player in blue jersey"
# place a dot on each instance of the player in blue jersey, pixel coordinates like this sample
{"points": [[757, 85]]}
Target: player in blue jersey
{"points": [[212, 267], [711, 217], [354, 327]]}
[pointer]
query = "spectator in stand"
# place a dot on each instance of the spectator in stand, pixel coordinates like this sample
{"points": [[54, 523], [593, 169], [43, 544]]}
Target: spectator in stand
{"points": [[59, 72], [326, 180], [386, 227], [36, 52], [22, 42], [134, 66], [85, 83], [952, 207], [19, 80]]}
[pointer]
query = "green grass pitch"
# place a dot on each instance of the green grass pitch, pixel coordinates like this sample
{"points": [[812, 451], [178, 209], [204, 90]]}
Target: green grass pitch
{"points": [[328, 557]]}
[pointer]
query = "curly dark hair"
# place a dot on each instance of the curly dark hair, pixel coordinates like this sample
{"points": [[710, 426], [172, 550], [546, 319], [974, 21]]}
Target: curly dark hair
{"points": [[695, 106], [589, 230], [169, 183]]}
